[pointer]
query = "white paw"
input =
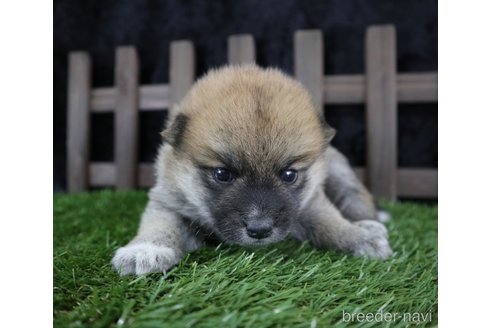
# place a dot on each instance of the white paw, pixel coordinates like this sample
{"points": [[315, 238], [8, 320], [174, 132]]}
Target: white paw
{"points": [[374, 241], [142, 258], [383, 216]]}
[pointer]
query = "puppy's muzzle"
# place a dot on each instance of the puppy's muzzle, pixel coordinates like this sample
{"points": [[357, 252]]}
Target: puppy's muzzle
{"points": [[258, 229]]}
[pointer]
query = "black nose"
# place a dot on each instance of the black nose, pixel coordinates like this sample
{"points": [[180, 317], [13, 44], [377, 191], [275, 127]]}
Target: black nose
{"points": [[258, 229]]}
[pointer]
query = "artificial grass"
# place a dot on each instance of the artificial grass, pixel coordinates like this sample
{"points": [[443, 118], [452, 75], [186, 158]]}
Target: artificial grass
{"points": [[282, 285]]}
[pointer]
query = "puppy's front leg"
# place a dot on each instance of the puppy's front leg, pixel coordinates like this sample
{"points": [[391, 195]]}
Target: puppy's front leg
{"points": [[162, 240], [323, 225]]}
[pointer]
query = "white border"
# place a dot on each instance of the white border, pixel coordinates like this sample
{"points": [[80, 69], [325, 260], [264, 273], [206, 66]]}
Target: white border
{"points": [[465, 163], [26, 174]]}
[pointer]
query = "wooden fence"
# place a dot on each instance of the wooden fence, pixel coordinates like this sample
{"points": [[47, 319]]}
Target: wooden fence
{"points": [[380, 89]]}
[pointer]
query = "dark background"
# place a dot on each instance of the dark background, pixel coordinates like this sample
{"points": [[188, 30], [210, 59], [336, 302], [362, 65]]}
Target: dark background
{"points": [[98, 26]]}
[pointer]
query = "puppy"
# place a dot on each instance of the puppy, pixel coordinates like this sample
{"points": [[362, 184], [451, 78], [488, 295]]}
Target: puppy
{"points": [[247, 160]]}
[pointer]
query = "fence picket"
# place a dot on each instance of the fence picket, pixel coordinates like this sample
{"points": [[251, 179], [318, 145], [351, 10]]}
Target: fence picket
{"points": [[381, 112], [181, 71], [126, 117], [241, 49], [308, 63], [78, 121]]}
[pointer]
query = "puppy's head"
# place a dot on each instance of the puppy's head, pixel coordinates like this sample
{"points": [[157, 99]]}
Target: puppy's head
{"points": [[251, 140]]}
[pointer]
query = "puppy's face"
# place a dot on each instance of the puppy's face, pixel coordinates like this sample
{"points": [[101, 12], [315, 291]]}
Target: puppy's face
{"points": [[252, 141]]}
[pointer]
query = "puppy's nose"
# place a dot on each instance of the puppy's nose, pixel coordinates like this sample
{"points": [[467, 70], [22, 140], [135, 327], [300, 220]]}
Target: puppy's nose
{"points": [[258, 229]]}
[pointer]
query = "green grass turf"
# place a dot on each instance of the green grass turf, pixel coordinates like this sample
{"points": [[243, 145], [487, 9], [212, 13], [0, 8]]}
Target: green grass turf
{"points": [[282, 285]]}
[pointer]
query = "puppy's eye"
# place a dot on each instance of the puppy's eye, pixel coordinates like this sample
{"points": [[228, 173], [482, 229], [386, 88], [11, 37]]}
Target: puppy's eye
{"points": [[288, 176], [222, 175]]}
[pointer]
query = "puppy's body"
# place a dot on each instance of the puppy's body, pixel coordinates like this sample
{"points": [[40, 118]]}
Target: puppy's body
{"points": [[247, 160]]}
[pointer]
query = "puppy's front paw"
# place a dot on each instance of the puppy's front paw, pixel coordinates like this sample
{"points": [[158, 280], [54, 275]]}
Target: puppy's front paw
{"points": [[374, 240], [142, 258]]}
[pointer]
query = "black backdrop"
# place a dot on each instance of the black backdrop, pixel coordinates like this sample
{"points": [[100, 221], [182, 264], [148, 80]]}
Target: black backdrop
{"points": [[98, 26]]}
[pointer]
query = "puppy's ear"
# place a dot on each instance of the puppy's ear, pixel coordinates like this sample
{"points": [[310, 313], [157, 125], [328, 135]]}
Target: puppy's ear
{"points": [[173, 135], [328, 132]]}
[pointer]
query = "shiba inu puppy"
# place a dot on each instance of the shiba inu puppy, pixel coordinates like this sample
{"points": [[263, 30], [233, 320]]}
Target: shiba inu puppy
{"points": [[247, 160]]}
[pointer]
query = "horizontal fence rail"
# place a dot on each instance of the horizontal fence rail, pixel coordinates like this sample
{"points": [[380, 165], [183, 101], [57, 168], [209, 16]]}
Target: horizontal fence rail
{"points": [[381, 88], [411, 182], [337, 90]]}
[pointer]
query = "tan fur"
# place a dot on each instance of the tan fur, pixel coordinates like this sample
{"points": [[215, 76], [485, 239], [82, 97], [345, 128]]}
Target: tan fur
{"points": [[249, 108]]}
